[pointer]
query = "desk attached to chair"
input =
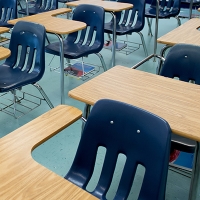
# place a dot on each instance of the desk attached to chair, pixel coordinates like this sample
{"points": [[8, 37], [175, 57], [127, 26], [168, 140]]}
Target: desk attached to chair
{"points": [[109, 6], [176, 101], [59, 27], [21, 177]]}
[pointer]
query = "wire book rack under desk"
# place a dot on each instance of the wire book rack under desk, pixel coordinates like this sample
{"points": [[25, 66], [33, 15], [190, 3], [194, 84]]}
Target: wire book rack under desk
{"points": [[79, 70]]}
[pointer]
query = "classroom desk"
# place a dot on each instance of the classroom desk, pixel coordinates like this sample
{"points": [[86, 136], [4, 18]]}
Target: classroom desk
{"points": [[187, 33], [59, 27], [176, 101], [4, 52], [21, 177], [109, 6]]}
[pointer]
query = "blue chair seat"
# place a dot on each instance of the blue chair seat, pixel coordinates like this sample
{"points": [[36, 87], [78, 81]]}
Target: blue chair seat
{"points": [[151, 13], [11, 79], [5, 24], [72, 50], [122, 29]]}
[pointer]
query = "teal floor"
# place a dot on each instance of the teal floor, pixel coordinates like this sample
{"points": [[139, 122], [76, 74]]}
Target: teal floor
{"points": [[57, 153]]}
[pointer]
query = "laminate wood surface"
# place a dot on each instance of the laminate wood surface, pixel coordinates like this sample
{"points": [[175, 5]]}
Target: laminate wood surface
{"points": [[176, 101], [54, 24], [4, 53], [4, 30], [23, 178], [187, 33], [110, 6]]}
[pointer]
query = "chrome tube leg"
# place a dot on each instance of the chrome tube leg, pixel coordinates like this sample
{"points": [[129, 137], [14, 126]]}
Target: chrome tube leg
{"points": [[114, 39], [156, 27], [109, 37], [178, 20], [27, 6], [44, 95], [14, 103], [190, 13], [68, 62], [20, 5], [195, 180], [86, 113], [162, 54], [61, 69], [143, 43], [102, 61], [149, 26]]}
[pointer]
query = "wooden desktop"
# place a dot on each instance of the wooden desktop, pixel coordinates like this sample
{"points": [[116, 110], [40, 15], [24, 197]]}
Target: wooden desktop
{"points": [[21, 177], [176, 101]]}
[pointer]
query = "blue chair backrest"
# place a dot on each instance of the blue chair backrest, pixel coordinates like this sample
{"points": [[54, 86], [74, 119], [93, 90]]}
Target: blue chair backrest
{"points": [[47, 4], [138, 11], [182, 62], [93, 16], [27, 45], [168, 5], [142, 137], [8, 10]]}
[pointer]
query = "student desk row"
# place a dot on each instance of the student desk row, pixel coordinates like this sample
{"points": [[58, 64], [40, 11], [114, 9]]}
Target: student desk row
{"points": [[59, 27], [176, 101], [23, 178]]}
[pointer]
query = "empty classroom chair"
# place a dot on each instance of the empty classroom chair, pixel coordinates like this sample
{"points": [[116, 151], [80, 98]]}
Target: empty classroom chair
{"points": [[39, 6], [26, 65], [130, 21], [142, 137], [182, 62], [90, 40]]}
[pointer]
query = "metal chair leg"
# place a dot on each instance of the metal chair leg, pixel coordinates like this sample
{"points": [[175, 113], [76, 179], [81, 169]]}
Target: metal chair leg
{"points": [[109, 37], [86, 113], [149, 25], [194, 185], [102, 61], [143, 43], [178, 20], [47, 39], [44, 95], [14, 102]]}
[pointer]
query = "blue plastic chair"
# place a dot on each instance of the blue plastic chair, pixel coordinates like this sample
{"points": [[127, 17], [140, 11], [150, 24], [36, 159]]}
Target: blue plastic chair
{"points": [[186, 4], [40, 6], [126, 24], [8, 11], [142, 137], [167, 9], [182, 62], [91, 40], [26, 65]]}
